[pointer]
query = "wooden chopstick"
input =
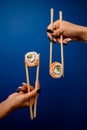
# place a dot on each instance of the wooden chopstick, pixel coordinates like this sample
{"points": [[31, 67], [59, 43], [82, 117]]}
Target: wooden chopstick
{"points": [[27, 80], [61, 43], [51, 21], [36, 84]]}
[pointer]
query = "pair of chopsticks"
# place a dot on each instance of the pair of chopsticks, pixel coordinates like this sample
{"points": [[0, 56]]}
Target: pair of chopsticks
{"points": [[36, 84], [61, 38]]}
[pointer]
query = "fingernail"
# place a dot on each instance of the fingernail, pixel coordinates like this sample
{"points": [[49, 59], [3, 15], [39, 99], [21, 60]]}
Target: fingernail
{"points": [[39, 91], [23, 83], [65, 44], [54, 42], [49, 30], [18, 89]]}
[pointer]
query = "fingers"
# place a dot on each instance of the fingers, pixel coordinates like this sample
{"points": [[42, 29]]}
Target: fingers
{"points": [[53, 35], [38, 84], [49, 30], [66, 40], [32, 93], [54, 31], [55, 25], [50, 36], [24, 88]]}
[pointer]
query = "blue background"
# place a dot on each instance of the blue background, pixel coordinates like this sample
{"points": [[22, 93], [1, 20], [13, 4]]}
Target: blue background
{"points": [[62, 105]]}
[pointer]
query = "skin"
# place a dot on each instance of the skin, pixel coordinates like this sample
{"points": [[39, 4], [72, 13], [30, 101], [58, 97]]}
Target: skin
{"points": [[70, 32], [18, 100]]}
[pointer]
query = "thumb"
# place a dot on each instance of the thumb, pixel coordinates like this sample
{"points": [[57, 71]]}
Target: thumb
{"points": [[31, 94], [57, 32]]}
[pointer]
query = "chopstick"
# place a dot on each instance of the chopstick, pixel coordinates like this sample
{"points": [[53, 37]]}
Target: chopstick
{"points": [[27, 80], [61, 43], [36, 84]]}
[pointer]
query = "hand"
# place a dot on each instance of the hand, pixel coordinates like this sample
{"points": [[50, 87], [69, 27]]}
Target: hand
{"points": [[70, 32], [18, 99], [21, 98]]}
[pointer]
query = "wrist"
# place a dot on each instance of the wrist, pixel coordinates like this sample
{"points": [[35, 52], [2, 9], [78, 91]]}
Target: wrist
{"points": [[5, 108], [11, 104]]}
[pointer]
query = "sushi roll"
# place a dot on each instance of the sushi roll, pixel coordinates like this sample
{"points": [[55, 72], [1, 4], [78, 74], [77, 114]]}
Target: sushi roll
{"points": [[56, 70], [31, 59]]}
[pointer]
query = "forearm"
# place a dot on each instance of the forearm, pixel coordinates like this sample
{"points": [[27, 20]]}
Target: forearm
{"points": [[82, 34], [5, 108]]}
